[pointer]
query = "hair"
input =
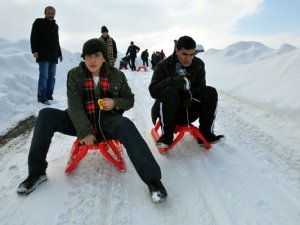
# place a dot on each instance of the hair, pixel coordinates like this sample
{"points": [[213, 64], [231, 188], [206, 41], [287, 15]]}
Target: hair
{"points": [[48, 7], [185, 42]]}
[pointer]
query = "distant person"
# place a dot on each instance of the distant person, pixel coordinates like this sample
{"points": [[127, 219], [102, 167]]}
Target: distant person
{"points": [[45, 48], [124, 62], [93, 79], [162, 54], [179, 87], [145, 56], [132, 51], [153, 60], [156, 58], [111, 46], [175, 43]]}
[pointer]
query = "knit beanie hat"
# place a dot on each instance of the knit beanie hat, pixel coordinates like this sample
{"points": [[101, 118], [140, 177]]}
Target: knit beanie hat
{"points": [[93, 46], [104, 29]]}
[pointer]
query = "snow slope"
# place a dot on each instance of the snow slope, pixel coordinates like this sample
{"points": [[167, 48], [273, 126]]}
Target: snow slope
{"points": [[253, 178]]}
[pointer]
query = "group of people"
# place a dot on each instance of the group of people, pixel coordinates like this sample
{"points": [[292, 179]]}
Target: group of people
{"points": [[178, 86]]}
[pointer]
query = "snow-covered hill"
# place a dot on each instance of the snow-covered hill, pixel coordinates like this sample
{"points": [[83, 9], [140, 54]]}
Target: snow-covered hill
{"points": [[253, 178]]}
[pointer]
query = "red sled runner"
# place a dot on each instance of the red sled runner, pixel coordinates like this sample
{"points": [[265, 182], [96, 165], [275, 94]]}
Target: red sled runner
{"points": [[112, 151], [179, 131]]}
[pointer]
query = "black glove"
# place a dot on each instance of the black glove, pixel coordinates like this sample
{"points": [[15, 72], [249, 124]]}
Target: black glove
{"points": [[177, 82], [187, 100]]}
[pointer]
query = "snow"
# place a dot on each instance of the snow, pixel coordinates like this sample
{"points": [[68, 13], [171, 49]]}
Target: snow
{"points": [[252, 178]]}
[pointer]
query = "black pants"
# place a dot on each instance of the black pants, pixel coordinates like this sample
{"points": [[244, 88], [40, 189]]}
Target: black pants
{"points": [[145, 62], [114, 126], [173, 112], [132, 64]]}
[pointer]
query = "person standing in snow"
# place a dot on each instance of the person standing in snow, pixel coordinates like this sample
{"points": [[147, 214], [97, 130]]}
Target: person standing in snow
{"points": [[46, 50], [145, 56], [91, 80], [179, 87], [111, 46], [132, 51], [162, 54]]}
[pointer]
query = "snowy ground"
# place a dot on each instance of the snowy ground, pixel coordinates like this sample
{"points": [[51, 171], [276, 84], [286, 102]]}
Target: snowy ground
{"points": [[253, 178]]}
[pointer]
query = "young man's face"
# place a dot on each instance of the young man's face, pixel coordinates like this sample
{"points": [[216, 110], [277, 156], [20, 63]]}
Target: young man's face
{"points": [[104, 34], [94, 62], [50, 13], [185, 56]]}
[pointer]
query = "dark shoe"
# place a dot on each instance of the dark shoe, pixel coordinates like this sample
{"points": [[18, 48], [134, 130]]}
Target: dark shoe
{"points": [[164, 141], [211, 138], [50, 98], [157, 191], [45, 102], [30, 184]]}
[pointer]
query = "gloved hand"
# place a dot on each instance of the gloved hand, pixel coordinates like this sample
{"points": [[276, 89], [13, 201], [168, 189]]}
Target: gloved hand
{"points": [[188, 100], [177, 82]]}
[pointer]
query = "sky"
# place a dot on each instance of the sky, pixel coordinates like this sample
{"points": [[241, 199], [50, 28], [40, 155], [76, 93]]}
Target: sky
{"points": [[251, 178], [154, 25]]}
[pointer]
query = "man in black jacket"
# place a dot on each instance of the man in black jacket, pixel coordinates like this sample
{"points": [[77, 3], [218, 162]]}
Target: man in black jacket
{"points": [[132, 51], [179, 87], [45, 48]]}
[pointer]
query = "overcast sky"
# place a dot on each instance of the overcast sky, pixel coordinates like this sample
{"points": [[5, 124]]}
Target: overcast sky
{"points": [[155, 24]]}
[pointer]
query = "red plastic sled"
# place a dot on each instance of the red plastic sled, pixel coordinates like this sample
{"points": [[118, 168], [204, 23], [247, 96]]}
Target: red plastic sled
{"points": [[180, 131], [142, 67], [115, 156]]}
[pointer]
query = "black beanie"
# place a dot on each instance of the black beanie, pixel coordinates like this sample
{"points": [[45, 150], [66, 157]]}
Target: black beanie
{"points": [[104, 29], [93, 46]]}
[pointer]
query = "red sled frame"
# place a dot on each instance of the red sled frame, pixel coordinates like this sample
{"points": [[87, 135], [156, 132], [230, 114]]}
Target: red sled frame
{"points": [[115, 156], [180, 130]]}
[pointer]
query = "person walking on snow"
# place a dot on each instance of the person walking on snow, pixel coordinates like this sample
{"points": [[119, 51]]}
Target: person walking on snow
{"points": [[93, 79], [132, 51], [181, 95], [46, 50], [145, 56], [111, 46]]}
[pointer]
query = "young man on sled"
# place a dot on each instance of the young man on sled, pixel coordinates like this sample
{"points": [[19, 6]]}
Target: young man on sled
{"points": [[93, 79], [181, 96]]}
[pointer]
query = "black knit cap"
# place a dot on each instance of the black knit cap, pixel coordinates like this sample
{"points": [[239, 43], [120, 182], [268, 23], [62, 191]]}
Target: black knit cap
{"points": [[104, 29], [93, 46]]}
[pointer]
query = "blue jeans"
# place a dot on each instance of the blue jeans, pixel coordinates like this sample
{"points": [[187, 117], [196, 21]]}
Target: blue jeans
{"points": [[46, 80]]}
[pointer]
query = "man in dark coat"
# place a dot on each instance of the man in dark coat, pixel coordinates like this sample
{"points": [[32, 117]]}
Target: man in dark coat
{"points": [[132, 51], [145, 56], [179, 87], [45, 48]]}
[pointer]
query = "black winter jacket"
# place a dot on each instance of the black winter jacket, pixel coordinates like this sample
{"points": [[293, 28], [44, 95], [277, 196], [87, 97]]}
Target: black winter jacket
{"points": [[44, 40], [166, 69], [132, 50]]}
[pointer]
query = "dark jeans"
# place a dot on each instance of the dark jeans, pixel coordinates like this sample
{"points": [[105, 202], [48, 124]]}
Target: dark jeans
{"points": [[172, 111], [46, 81], [114, 126], [132, 64], [145, 62]]}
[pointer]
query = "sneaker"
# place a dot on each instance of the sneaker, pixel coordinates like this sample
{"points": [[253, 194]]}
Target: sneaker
{"points": [[158, 192], [30, 184], [164, 142], [211, 138]]}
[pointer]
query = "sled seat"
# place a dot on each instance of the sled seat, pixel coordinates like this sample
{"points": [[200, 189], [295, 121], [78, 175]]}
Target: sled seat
{"points": [[112, 151], [179, 132], [142, 67]]}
